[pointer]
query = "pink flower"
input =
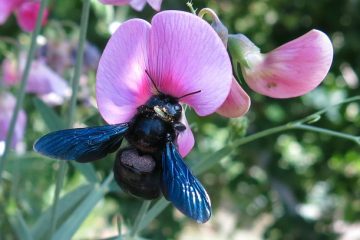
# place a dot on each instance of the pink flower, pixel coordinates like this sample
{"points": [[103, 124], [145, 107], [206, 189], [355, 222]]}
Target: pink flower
{"points": [[237, 102], [181, 53], [136, 4], [42, 81], [7, 105], [26, 12], [290, 70]]}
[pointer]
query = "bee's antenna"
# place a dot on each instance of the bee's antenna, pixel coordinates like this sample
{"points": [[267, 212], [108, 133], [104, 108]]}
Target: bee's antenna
{"points": [[188, 94], [147, 73]]}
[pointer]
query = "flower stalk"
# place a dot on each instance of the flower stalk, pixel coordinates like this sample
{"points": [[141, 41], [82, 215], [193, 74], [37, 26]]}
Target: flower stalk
{"points": [[75, 86]]}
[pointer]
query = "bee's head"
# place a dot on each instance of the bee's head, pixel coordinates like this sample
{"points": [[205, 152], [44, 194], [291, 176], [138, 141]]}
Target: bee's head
{"points": [[166, 107]]}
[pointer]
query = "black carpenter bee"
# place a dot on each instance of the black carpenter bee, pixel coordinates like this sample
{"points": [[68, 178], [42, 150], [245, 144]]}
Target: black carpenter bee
{"points": [[150, 166]]}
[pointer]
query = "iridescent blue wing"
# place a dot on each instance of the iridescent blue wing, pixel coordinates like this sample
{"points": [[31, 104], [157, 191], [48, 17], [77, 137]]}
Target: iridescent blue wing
{"points": [[82, 144], [181, 188]]}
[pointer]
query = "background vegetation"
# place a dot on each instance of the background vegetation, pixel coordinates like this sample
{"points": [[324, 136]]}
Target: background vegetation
{"points": [[291, 185]]}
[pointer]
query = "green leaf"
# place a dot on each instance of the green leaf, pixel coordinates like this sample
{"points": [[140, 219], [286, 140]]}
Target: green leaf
{"points": [[88, 170], [158, 207], [78, 216], [51, 119], [67, 204], [20, 227]]}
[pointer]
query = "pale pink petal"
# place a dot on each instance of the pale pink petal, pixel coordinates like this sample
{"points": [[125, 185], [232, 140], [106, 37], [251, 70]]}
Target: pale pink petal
{"points": [[138, 5], [6, 8], [237, 102], [27, 14], [155, 4], [185, 139], [10, 74], [292, 69], [122, 84], [115, 2], [43, 80], [186, 55], [7, 105]]}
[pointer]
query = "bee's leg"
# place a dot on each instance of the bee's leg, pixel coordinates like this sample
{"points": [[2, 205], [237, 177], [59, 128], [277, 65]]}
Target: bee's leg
{"points": [[179, 127]]}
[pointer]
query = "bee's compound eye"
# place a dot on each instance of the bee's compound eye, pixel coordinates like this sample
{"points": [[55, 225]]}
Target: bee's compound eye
{"points": [[177, 107], [137, 174]]}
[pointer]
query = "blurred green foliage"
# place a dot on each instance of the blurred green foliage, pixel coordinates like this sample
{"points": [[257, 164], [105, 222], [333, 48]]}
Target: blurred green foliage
{"points": [[294, 185]]}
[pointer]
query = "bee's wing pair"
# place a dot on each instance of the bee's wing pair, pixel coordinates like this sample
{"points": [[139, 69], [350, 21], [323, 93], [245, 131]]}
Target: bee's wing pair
{"points": [[178, 185]]}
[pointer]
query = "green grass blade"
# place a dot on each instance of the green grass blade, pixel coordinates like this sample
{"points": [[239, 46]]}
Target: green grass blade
{"points": [[73, 223], [88, 170], [20, 227], [67, 204], [51, 119]]}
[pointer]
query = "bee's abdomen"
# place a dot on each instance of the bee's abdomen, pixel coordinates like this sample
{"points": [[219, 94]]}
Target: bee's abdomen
{"points": [[137, 174]]}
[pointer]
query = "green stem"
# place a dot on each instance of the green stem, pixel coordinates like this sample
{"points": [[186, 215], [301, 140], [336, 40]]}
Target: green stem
{"points": [[75, 86], [191, 7], [139, 218], [329, 132], [21, 91], [58, 186], [79, 60]]}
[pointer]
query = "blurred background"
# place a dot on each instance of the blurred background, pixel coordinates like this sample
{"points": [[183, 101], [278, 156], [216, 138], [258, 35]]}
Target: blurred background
{"points": [[293, 185]]}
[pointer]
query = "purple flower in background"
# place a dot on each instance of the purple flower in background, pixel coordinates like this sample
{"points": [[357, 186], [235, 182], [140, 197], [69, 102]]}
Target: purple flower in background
{"points": [[43, 81], [180, 51], [26, 12], [136, 4], [7, 105]]}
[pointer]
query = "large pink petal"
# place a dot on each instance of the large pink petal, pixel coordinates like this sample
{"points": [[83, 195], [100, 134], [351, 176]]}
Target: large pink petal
{"points": [[237, 102], [155, 4], [185, 139], [292, 69], [27, 14], [186, 55], [116, 2], [122, 84]]}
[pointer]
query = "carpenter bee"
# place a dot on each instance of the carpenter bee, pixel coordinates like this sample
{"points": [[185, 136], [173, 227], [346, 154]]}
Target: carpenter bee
{"points": [[150, 166]]}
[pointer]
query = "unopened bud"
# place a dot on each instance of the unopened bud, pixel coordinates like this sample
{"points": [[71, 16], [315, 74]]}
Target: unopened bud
{"points": [[217, 25]]}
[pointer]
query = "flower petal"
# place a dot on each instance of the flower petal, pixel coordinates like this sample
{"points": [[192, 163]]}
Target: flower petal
{"points": [[7, 6], [27, 14], [155, 4], [122, 83], [186, 55], [292, 69], [7, 105], [10, 75], [43, 80], [116, 2], [237, 102], [185, 139], [138, 5]]}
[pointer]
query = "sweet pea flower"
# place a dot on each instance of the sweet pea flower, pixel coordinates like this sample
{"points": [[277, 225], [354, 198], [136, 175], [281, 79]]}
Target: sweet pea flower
{"points": [[138, 5], [43, 81], [180, 52], [290, 70], [7, 105], [237, 102], [26, 12]]}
